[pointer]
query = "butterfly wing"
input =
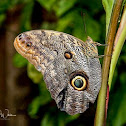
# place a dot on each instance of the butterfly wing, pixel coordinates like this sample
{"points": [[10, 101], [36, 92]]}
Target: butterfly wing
{"points": [[72, 77]]}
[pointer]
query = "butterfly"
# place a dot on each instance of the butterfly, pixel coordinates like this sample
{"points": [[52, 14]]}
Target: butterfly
{"points": [[70, 67]]}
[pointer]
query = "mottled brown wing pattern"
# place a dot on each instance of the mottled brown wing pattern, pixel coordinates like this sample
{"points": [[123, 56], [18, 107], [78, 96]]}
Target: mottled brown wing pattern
{"points": [[71, 71]]}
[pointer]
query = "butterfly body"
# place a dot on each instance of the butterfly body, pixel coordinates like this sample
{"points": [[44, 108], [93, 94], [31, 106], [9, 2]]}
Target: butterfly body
{"points": [[71, 71]]}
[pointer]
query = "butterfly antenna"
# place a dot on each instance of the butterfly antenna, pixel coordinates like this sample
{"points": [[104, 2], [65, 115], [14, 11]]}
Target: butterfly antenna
{"points": [[84, 24]]}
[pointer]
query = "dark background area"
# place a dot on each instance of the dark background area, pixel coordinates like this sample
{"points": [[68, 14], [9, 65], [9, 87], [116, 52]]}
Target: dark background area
{"points": [[22, 89]]}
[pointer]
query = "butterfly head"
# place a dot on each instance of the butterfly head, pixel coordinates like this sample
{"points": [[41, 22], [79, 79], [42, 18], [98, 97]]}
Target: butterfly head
{"points": [[22, 44], [27, 45]]}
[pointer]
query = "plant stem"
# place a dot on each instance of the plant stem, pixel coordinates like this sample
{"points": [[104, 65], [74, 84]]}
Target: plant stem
{"points": [[118, 44], [100, 119]]}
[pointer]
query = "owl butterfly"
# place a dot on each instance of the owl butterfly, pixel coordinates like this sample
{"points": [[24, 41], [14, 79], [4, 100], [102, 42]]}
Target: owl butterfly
{"points": [[71, 68]]}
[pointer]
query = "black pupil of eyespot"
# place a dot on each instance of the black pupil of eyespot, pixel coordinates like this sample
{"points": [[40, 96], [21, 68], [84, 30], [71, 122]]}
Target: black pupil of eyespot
{"points": [[29, 44], [78, 83]]}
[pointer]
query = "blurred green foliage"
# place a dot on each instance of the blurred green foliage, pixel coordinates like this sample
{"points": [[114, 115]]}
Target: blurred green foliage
{"points": [[19, 61], [65, 16], [34, 74]]}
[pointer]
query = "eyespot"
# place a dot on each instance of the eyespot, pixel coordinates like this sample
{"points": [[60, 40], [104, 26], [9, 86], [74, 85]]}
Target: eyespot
{"points": [[68, 55], [29, 44], [79, 81]]}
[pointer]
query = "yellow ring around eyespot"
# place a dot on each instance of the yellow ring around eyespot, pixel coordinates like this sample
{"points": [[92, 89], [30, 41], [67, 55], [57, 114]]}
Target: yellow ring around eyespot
{"points": [[84, 83]]}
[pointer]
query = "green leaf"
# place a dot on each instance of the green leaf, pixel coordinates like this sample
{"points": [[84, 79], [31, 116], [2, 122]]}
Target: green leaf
{"points": [[93, 7], [34, 107], [71, 118], [65, 21], [43, 98], [26, 16], [4, 5], [44, 93], [63, 6], [77, 26], [93, 28], [2, 18], [9, 4], [108, 4], [58, 119], [19, 61], [116, 115], [47, 25], [33, 74], [47, 4], [46, 121]]}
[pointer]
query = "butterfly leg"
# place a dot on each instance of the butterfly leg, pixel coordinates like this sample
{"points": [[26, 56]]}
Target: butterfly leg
{"points": [[99, 44], [101, 56]]}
